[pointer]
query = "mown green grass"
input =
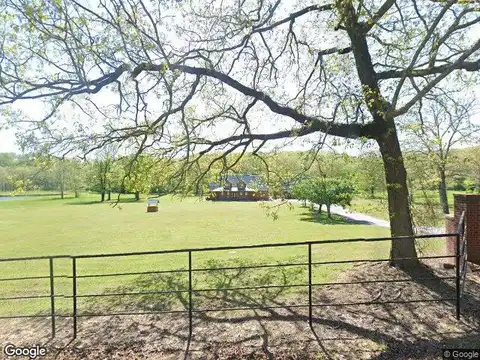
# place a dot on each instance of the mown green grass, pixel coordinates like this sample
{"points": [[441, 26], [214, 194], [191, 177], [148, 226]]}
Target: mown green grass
{"points": [[50, 226], [378, 206]]}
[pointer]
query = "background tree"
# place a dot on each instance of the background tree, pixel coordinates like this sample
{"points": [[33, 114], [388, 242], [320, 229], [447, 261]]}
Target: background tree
{"points": [[368, 174], [301, 191], [139, 174], [77, 177], [326, 191], [442, 123], [253, 63], [471, 162], [103, 172]]}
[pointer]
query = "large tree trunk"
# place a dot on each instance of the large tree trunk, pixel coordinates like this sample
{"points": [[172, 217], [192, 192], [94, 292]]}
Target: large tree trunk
{"points": [[109, 197], [103, 196], [137, 195], [398, 205], [442, 191], [386, 136], [320, 208], [329, 214]]}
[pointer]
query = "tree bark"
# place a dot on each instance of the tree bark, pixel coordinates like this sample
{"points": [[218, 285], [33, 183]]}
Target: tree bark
{"points": [[385, 133], [62, 185], [320, 208], [329, 214], [410, 190], [137, 195], [398, 205], [103, 196], [77, 194], [109, 196], [442, 191]]}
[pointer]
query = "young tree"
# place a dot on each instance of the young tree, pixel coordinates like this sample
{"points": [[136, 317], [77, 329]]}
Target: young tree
{"points": [[103, 172], [234, 67], [369, 174], [301, 191], [328, 192], [139, 175], [76, 180]]}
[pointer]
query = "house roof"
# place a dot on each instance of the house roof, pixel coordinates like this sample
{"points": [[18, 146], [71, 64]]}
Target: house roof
{"points": [[234, 188], [247, 179], [253, 180], [212, 186]]}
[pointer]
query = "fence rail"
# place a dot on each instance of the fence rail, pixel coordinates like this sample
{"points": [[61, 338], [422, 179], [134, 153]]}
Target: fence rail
{"points": [[190, 310]]}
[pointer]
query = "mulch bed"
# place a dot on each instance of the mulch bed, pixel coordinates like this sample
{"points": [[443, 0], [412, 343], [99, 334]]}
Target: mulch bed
{"points": [[385, 331]]}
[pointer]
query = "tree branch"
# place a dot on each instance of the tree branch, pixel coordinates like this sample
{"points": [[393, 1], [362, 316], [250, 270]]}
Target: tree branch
{"points": [[310, 124], [462, 65]]}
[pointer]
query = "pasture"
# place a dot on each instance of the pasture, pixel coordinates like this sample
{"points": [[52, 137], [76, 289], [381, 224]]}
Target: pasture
{"points": [[51, 226]]}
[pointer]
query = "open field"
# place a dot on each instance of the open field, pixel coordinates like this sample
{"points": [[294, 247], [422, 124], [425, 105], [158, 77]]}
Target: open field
{"points": [[378, 206], [50, 226]]}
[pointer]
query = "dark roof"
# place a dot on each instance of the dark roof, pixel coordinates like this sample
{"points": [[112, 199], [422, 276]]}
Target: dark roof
{"points": [[212, 186], [247, 179]]}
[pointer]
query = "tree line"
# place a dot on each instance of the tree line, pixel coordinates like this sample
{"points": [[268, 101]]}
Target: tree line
{"points": [[282, 171]]}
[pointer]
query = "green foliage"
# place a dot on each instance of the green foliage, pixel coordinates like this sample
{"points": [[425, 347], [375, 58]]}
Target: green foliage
{"points": [[139, 175], [326, 191], [369, 174]]}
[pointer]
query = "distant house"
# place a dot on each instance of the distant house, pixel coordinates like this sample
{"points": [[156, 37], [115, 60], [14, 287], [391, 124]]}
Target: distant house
{"points": [[239, 188]]}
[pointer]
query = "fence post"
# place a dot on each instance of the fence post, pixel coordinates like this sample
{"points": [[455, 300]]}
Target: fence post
{"points": [[457, 276], [190, 289], [52, 296], [74, 293], [310, 310]]}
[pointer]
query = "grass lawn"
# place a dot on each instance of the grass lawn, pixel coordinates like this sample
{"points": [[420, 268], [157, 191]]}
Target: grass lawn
{"points": [[378, 206], [50, 226]]}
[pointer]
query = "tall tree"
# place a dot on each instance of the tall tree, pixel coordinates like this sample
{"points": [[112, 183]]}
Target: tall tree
{"points": [[102, 171], [442, 123], [233, 76]]}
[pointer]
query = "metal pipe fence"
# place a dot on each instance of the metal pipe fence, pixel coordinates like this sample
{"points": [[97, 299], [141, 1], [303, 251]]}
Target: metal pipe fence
{"points": [[190, 290]]}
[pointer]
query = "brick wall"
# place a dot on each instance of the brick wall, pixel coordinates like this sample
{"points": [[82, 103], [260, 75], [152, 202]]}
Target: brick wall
{"points": [[471, 205]]}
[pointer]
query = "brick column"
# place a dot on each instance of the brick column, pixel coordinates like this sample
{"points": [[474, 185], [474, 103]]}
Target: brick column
{"points": [[473, 228], [471, 205]]}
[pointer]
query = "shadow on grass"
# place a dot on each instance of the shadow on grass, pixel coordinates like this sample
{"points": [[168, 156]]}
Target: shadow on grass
{"points": [[322, 218], [108, 202]]}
